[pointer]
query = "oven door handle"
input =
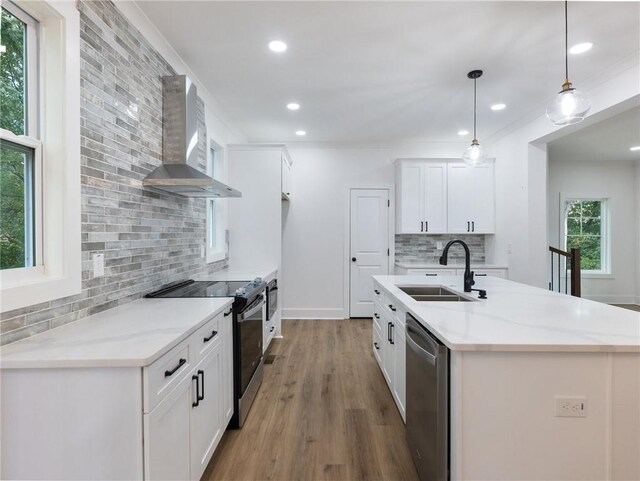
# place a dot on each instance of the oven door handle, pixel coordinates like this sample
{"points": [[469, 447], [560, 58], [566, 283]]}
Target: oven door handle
{"points": [[258, 303]]}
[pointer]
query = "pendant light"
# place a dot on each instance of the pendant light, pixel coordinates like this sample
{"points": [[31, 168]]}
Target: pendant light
{"points": [[570, 105], [475, 154]]}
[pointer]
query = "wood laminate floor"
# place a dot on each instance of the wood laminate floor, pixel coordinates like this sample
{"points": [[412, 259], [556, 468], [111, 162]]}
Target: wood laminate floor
{"points": [[324, 412], [632, 307]]}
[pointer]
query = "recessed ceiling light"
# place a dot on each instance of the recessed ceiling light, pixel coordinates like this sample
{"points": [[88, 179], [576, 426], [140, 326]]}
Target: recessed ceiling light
{"points": [[634, 148], [293, 106], [300, 133], [498, 106], [580, 48], [277, 46], [463, 132]]}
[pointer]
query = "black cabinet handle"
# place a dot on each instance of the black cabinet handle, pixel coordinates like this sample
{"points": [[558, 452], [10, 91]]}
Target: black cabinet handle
{"points": [[272, 329], [468, 226], [181, 363], [201, 396], [473, 226], [426, 226], [375, 344], [392, 308], [213, 334], [391, 339], [376, 315], [197, 401], [421, 226], [480, 275], [431, 275], [376, 291], [228, 312]]}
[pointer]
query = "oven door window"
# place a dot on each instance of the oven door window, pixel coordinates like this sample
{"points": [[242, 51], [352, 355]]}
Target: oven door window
{"points": [[250, 331]]}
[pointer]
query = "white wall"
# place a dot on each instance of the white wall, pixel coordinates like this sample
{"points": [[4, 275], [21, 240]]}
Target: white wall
{"points": [[638, 231], [615, 181], [314, 235], [521, 177]]}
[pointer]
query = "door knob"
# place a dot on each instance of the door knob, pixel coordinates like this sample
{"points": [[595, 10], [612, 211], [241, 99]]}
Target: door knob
{"points": [[353, 259]]}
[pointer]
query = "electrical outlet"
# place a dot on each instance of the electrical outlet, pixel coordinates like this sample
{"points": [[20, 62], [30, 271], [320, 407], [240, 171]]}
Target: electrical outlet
{"points": [[571, 406], [98, 265], [439, 245]]}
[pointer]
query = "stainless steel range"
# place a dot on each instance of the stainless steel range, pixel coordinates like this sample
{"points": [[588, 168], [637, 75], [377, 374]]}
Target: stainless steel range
{"points": [[249, 299]]}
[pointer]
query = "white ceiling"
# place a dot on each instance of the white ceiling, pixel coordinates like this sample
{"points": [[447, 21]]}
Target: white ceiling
{"points": [[606, 141], [390, 71]]}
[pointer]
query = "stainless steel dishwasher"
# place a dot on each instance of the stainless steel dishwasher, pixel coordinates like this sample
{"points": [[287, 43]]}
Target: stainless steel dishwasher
{"points": [[427, 402]]}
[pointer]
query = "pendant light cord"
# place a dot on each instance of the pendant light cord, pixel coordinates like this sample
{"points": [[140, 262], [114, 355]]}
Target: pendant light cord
{"points": [[566, 42], [474, 109]]}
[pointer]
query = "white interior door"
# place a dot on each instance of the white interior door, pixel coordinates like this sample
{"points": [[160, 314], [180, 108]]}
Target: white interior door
{"points": [[369, 241]]}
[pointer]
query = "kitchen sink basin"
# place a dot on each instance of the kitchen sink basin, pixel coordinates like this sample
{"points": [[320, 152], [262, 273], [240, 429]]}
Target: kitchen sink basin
{"points": [[432, 294]]}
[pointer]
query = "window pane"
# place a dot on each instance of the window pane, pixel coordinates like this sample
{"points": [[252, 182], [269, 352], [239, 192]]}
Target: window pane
{"points": [[590, 251], [13, 74], [573, 226], [574, 208], [591, 208], [591, 226], [17, 246]]}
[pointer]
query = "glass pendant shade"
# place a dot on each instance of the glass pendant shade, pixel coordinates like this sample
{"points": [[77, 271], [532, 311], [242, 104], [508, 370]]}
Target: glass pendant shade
{"points": [[475, 154], [569, 107]]}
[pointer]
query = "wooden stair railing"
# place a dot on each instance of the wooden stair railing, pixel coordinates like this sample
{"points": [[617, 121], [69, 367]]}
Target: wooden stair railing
{"points": [[572, 262]]}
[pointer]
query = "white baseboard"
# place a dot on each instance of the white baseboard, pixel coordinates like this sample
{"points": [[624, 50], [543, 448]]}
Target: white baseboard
{"points": [[612, 299], [310, 313]]}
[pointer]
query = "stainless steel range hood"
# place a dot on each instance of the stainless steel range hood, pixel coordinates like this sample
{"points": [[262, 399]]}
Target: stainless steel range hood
{"points": [[180, 145]]}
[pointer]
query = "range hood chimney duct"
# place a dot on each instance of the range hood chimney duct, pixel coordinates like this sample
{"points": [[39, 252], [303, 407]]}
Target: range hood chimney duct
{"points": [[180, 145]]}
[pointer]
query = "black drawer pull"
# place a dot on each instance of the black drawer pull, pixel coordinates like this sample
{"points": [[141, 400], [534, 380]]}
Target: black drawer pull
{"points": [[377, 316], [481, 275], [201, 396], [473, 226], [392, 308], [213, 334], [376, 291], [197, 401], [272, 329], [228, 312], [431, 275], [391, 338], [173, 371], [375, 344]]}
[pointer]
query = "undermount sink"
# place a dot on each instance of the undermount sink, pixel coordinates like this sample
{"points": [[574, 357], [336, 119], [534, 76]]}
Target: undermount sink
{"points": [[432, 294]]}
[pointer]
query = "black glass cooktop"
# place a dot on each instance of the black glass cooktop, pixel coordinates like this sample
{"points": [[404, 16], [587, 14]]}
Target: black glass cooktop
{"points": [[192, 288]]}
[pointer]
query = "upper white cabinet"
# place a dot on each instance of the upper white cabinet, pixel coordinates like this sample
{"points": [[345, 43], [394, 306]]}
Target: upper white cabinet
{"points": [[471, 199], [444, 197], [421, 197], [287, 177]]}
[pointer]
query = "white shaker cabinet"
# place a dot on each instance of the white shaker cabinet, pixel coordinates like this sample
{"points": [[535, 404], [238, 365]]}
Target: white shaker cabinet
{"points": [[471, 199], [421, 191]]}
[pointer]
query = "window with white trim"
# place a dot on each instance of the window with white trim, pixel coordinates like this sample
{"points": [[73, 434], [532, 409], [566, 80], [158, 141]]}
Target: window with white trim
{"points": [[216, 208], [40, 238], [20, 149], [586, 227]]}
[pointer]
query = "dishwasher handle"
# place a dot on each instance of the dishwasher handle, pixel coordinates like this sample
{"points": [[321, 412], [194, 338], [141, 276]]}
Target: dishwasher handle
{"points": [[429, 348], [426, 355]]}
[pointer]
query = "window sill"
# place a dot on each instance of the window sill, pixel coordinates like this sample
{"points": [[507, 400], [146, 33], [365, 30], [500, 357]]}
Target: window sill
{"points": [[597, 275], [215, 256], [37, 290]]}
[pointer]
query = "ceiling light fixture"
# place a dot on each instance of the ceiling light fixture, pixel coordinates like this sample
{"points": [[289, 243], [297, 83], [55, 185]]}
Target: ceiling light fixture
{"points": [[463, 132], [634, 148], [498, 106], [570, 105], [300, 133], [277, 46], [293, 106], [580, 48], [475, 154]]}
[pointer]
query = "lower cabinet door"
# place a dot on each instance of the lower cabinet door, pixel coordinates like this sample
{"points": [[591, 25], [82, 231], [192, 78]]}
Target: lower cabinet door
{"points": [[166, 435], [377, 345], [207, 413], [388, 357], [400, 371]]}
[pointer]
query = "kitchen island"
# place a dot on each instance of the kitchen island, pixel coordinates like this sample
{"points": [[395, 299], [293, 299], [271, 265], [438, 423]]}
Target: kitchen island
{"points": [[513, 359]]}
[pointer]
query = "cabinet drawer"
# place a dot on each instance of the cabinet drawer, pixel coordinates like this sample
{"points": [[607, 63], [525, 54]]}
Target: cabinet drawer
{"points": [[205, 338], [501, 273], [163, 375], [377, 293], [377, 315], [431, 272]]}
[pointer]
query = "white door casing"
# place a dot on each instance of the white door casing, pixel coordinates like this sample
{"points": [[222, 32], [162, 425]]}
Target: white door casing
{"points": [[369, 246]]}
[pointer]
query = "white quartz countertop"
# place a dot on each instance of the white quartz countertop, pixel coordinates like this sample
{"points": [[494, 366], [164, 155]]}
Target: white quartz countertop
{"points": [[135, 334], [266, 273], [451, 265], [518, 317]]}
